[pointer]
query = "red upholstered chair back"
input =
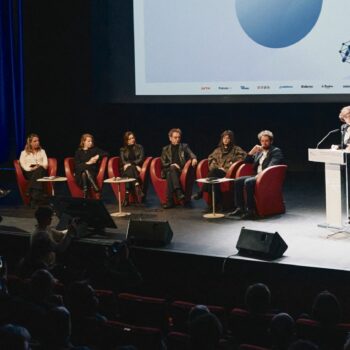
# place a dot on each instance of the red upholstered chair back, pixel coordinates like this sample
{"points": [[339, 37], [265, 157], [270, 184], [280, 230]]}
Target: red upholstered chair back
{"points": [[22, 182], [114, 164], [251, 347], [75, 190], [160, 185], [250, 328], [268, 189], [178, 341], [143, 311], [115, 333], [225, 188], [312, 330]]}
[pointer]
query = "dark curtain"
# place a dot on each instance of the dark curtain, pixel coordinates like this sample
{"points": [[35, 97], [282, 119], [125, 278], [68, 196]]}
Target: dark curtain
{"points": [[12, 126]]}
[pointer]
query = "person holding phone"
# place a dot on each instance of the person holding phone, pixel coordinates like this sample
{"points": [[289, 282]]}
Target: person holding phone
{"points": [[87, 159], [261, 156], [34, 163]]}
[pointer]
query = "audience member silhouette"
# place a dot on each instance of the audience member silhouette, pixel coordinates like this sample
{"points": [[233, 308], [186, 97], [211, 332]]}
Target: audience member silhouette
{"points": [[326, 309], [282, 331], [58, 330], [205, 332], [13, 337], [258, 298]]}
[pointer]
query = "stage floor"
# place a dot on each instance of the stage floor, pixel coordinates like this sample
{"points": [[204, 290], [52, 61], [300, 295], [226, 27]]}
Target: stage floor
{"points": [[308, 244]]}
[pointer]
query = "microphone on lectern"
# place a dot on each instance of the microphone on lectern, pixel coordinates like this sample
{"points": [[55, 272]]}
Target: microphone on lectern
{"points": [[331, 132]]}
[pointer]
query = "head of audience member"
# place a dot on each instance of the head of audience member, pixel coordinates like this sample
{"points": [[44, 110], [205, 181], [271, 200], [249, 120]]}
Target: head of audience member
{"points": [[129, 138], [86, 141], [258, 298], [57, 327], [117, 252], [303, 345], [42, 285], [226, 140], [205, 332], [282, 331], [197, 311], [43, 216], [175, 136], [14, 337], [32, 143], [266, 139], [326, 309], [344, 115], [82, 300]]}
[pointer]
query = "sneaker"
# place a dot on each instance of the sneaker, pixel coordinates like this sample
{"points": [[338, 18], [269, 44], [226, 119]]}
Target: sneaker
{"points": [[249, 215], [4, 193], [179, 194], [236, 212], [197, 196]]}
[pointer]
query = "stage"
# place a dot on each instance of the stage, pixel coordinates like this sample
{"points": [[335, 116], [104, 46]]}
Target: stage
{"points": [[308, 244]]}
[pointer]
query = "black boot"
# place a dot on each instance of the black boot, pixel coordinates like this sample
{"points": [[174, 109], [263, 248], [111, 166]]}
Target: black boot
{"points": [[92, 181], [126, 199], [179, 194]]}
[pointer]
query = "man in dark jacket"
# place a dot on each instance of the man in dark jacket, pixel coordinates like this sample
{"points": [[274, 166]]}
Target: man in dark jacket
{"points": [[261, 156], [174, 157]]}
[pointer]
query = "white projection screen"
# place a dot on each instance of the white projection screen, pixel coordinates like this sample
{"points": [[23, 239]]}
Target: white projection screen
{"points": [[238, 48]]}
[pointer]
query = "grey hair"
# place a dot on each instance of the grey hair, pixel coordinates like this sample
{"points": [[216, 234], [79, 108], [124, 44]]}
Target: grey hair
{"points": [[267, 133]]}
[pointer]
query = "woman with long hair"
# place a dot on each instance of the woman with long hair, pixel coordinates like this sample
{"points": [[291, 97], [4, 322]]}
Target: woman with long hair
{"points": [[34, 163], [220, 161], [132, 157], [87, 159]]}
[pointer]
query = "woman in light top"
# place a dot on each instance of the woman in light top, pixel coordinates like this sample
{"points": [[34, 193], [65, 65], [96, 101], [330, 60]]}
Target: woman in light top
{"points": [[34, 163]]}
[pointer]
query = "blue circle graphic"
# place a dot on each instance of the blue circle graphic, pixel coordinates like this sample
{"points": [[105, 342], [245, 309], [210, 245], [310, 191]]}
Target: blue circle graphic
{"points": [[278, 23]]}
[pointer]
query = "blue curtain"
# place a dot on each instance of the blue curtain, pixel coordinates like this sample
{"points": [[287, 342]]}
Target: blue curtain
{"points": [[12, 128]]}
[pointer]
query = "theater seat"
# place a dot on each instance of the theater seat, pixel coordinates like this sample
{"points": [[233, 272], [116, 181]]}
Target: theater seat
{"points": [[22, 182], [313, 331], [160, 185], [143, 311], [225, 188], [114, 171], [250, 328], [74, 189], [117, 333], [268, 188]]}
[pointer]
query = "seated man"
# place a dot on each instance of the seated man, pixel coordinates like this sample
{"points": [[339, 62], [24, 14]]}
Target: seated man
{"points": [[174, 158], [261, 156]]}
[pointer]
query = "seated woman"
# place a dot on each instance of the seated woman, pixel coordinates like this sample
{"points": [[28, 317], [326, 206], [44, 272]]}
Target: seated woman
{"points": [[87, 159], [132, 157], [34, 163], [220, 161]]}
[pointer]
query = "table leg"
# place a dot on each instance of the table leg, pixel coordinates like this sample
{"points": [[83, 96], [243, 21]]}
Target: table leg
{"points": [[213, 215], [120, 213]]}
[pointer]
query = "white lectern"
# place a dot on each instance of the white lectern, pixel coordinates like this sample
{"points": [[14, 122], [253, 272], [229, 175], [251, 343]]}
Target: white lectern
{"points": [[333, 160]]}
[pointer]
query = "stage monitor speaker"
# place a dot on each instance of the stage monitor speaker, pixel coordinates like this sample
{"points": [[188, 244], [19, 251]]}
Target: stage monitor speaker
{"points": [[149, 233], [260, 244]]}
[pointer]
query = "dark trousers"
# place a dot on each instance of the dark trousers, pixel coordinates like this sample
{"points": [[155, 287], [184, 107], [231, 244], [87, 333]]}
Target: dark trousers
{"points": [[219, 173], [247, 183], [132, 172], [32, 176], [173, 181]]}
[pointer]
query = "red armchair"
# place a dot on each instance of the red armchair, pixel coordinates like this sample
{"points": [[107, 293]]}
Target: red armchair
{"points": [[74, 189], [22, 182], [268, 188], [160, 186], [114, 171], [226, 188]]}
